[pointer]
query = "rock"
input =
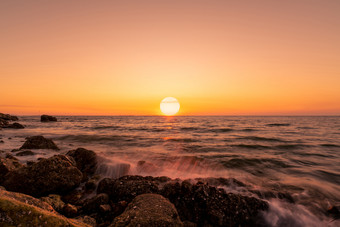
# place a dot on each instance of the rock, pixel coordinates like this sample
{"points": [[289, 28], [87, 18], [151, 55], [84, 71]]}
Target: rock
{"points": [[92, 205], [55, 201], [86, 160], [14, 125], [149, 210], [47, 118], [209, 206], [334, 211], [3, 123], [74, 197], [25, 153], [105, 208], [7, 165], [38, 142], [91, 185], [127, 187], [8, 117], [57, 174], [17, 209], [70, 211], [88, 220]]}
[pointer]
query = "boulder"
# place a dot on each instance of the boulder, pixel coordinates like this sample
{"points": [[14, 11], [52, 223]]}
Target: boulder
{"points": [[93, 204], [47, 118], [86, 160], [24, 153], [57, 174], [70, 211], [128, 187], [8, 117], [38, 142], [149, 210], [14, 126], [7, 165], [210, 206], [55, 201], [18, 209], [3, 123]]}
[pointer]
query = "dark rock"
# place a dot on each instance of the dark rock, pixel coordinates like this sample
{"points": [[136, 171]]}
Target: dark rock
{"points": [[334, 211], [47, 118], [74, 197], [25, 153], [209, 206], [90, 185], [88, 220], [14, 126], [39, 142], [57, 174], [70, 211], [9, 156], [7, 165], [1, 141], [127, 187], [8, 117], [3, 123], [18, 209], [55, 201], [86, 160], [92, 205], [105, 208], [149, 210]]}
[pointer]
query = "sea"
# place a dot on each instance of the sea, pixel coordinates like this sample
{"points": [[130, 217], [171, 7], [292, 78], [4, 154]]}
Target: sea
{"points": [[297, 155]]}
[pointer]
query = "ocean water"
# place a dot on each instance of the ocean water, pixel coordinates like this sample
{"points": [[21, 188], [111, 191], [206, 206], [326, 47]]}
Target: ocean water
{"points": [[299, 156]]}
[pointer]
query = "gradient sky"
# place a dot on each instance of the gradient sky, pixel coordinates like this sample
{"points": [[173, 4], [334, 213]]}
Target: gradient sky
{"points": [[216, 57]]}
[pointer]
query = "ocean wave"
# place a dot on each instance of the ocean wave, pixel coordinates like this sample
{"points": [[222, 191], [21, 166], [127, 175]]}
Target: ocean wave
{"points": [[277, 124], [258, 138], [261, 162]]}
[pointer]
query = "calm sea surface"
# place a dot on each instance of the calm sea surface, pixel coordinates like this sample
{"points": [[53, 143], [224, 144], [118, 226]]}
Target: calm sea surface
{"points": [[295, 155]]}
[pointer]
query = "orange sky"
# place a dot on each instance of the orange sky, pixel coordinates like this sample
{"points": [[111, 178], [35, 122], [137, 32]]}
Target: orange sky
{"points": [[216, 57]]}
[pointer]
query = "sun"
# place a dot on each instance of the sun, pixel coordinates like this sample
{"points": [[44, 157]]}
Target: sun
{"points": [[169, 106]]}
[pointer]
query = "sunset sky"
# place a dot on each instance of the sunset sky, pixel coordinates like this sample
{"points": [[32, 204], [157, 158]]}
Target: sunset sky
{"points": [[216, 57]]}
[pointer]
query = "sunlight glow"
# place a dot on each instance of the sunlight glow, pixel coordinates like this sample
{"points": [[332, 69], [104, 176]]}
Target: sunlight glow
{"points": [[169, 106]]}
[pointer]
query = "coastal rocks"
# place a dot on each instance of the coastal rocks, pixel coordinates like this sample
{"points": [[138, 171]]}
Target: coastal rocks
{"points": [[86, 160], [17, 209], [55, 201], [47, 118], [14, 126], [149, 210], [92, 205], [70, 211], [127, 188], [7, 165], [57, 174], [206, 205], [8, 117], [38, 142]]}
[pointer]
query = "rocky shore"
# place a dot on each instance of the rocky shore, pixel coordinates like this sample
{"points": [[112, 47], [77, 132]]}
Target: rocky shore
{"points": [[64, 190]]}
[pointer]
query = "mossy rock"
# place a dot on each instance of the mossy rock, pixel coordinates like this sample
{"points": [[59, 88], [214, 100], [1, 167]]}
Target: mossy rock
{"points": [[18, 209]]}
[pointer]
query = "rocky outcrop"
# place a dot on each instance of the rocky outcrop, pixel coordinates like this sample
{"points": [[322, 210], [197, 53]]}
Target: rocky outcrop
{"points": [[7, 165], [149, 210], [128, 187], [17, 209], [47, 118], [38, 142], [86, 160], [8, 117], [14, 126], [92, 205], [57, 174], [206, 205], [55, 201]]}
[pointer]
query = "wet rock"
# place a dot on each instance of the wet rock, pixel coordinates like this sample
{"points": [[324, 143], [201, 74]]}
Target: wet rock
{"points": [[7, 165], [209, 206], [334, 211], [105, 208], [149, 210], [3, 123], [25, 153], [127, 187], [38, 142], [91, 185], [1, 141], [88, 220], [14, 126], [57, 174], [47, 118], [73, 197], [86, 160], [55, 201], [9, 156], [18, 209], [92, 205], [70, 211], [8, 117]]}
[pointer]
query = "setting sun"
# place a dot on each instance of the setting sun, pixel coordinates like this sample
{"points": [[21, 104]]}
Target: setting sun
{"points": [[169, 106]]}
